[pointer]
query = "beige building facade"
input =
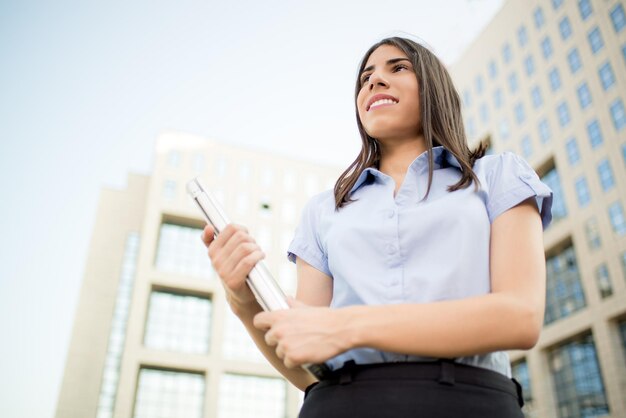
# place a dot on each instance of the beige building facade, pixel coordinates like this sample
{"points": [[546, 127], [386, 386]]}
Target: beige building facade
{"points": [[153, 335], [546, 79]]}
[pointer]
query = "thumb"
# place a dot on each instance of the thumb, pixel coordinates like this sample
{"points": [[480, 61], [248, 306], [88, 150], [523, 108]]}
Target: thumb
{"points": [[294, 303]]}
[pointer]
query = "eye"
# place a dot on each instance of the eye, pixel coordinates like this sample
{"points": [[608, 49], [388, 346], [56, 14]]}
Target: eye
{"points": [[400, 67], [365, 78]]}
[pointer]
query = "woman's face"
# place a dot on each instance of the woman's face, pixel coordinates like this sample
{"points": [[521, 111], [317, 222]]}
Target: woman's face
{"points": [[388, 102]]}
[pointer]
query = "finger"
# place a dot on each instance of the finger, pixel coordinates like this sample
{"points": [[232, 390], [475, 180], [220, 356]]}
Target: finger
{"points": [[222, 254], [239, 263], [246, 263], [262, 321], [208, 234], [280, 353], [295, 303]]}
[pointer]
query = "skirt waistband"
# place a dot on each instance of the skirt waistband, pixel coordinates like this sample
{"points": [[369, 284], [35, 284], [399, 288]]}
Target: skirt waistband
{"points": [[445, 372]]}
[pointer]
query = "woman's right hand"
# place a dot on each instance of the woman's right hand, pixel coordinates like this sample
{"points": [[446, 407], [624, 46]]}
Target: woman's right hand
{"points": [[233, 254]]}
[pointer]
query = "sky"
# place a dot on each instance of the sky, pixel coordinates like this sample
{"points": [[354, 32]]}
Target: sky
{"points": [[86, 88]]}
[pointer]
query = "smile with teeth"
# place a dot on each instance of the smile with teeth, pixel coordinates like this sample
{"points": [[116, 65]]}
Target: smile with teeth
{"points": [[382, 102]]}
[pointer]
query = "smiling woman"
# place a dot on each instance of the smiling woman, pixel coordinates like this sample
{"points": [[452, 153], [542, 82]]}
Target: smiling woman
{"points": [[411, 283]]}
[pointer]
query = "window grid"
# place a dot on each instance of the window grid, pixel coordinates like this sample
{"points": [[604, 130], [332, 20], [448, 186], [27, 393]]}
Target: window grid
{"points": [[595, 40], [607, 78], [527, 148], [180, 323], [564, 294], [529, 65], [497, 98], [573, 154], [519, 113], [551, 178], [618, 114], [544, 131], [577, 379], [555, 79], [594, 133], [623, 258], [493, 69], [536, 97], [616, 215], [584, 96], [565, 28], [603, 281], [479, 84], [505, 130], [592, 232], [605, 173], [573, 59], [582, 192], [237, 343], [251, 396], [618, 18], [506, 53], [484, 113], [513, 84], [164, 393], [538, 18], [622, 326], [546, 47], [564, 116], [584, 6], [180, 251], [117, 335], [522, 36]]}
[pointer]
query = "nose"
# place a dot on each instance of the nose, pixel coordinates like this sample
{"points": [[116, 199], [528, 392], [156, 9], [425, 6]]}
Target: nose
{"points": [[377, 80]]}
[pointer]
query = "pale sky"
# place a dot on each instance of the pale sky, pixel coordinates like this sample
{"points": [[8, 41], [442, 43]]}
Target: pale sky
{"points": [[85, 88]]}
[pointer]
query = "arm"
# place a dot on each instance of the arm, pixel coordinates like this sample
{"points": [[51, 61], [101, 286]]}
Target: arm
{"points": [[510, 317]]}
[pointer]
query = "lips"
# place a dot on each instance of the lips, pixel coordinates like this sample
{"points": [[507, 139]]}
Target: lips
{"points": [[383, 99]]}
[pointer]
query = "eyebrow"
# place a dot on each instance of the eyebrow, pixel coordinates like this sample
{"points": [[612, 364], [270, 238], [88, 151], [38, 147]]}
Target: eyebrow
{"points": [[389, 62]]}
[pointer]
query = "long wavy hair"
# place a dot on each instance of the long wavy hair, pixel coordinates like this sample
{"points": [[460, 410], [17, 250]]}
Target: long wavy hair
{"points": [[440, 118]]}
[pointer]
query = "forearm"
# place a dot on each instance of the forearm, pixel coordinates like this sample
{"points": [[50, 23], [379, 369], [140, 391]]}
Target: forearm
{"points": [[454, 328], [297, 376]]}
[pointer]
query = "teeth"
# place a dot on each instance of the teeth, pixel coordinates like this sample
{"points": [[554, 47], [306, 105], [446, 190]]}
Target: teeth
{"points": [[382, 102]]}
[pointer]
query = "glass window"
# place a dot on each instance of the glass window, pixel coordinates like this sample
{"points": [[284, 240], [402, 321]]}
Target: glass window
{"points": [[267, 177], [164, 393], [594, 133], [173, 159], [251, 396], [497, 98], [237, 343], [551, 178], [180, 250], [289, 180], [624, 52], [584, 6], [519, 113], [513, 82], [584, 97], [624, 153], [618, 18], [169, 190], [244, 171], [623, 258], [618, 114], [538, 17], [544, 131], [527, 148], [595, 40], [622, 326], [582, 191], [563, 112], [556, 4], [573, 59], [577, 379], [479, 84], [197, 163], [555, 79], [603, 281], [180, 323], [565, 28], [471, 128], [505, 130], [467, 98], [522, 36], [529, 65], [616, 215], [265, 207], [493, 69], [242, 203], [592, 231], [546, 47], [564, 294], [537, 100], [484, 113], [607, 78], [519, 370], [117, 334], [506, 53], [605, 173], [221, 166], [573, 154]]}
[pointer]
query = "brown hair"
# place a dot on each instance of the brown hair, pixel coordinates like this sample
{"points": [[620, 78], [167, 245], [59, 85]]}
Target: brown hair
{"points": [[440, 116]]}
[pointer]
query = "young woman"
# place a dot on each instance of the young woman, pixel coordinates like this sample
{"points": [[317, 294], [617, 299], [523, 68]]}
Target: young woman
{"points": [[415, 274]]}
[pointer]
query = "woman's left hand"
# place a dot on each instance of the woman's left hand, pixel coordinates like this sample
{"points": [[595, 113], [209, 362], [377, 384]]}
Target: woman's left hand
{"points": [[304, 334]]}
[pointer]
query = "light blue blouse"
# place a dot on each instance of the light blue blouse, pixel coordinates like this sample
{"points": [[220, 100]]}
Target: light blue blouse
{"points": [[383, 250]]}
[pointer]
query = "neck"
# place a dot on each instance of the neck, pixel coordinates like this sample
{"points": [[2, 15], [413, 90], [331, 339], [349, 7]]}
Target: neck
{"points": [[396, 156]]}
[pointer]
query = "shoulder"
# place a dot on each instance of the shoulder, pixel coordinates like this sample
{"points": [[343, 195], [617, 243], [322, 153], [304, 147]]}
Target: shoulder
{"points": [[501, 163]]}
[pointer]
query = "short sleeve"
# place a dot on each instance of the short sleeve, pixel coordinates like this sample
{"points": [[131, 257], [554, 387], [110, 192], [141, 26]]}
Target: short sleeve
{"points": [[511, 181], [306, 243]]}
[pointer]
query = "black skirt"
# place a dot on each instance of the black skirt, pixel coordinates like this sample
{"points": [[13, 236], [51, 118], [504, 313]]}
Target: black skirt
{"points": [[441, 389]]}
